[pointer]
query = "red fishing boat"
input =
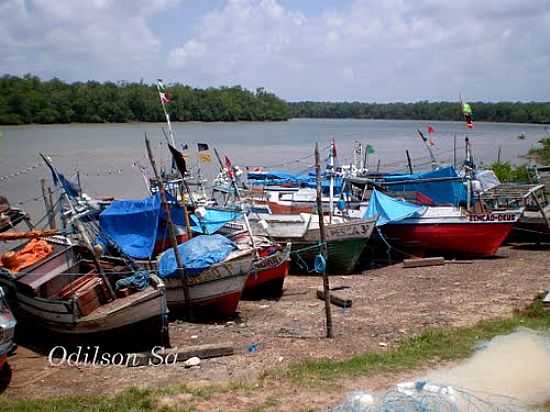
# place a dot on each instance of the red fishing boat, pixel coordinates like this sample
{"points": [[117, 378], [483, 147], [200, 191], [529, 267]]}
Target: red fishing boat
{"points": [[453, 231], [269, 269]]}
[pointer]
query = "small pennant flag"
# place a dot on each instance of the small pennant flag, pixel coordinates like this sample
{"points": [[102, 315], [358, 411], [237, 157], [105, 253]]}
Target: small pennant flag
{"points": [[229, 166], [370, 149], [179, 160], [467, 111], [431, 131], [204, 152], [164, 96]]}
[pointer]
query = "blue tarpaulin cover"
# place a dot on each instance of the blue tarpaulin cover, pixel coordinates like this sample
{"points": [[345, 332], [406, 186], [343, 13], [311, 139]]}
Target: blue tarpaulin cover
{"points": [[389, 209], [447, 192], [198, 254], [278, 177], [134, 224], [213, 220]]}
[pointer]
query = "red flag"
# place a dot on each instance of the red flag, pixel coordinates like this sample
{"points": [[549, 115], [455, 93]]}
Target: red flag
{"points": [[228, 166], [430, 131], [333, 148]]}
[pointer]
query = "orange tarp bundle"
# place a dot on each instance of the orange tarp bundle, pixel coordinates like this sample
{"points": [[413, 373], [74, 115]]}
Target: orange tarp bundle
{"points": [[33, 252]]}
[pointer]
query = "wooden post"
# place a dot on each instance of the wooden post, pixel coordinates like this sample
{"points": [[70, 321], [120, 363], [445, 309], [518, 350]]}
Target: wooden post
{"points": [[47, 205], [409, 162], [186, 216], [171, 230], [50, 199], [499, 154], [324, 249], [78, 182]]}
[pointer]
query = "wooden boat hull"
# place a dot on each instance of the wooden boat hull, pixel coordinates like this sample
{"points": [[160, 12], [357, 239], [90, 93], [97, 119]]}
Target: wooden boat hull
{"points": [[343, 256], [59, 316], [478, 235], [217, 290], [37, 300], [269, 273]]}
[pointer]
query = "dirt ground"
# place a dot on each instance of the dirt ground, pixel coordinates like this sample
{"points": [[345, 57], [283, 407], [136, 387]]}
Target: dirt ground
{"points": [[388, 303]]}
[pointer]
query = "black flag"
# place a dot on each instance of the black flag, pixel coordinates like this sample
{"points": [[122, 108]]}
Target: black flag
{"points": [[179, 160]]}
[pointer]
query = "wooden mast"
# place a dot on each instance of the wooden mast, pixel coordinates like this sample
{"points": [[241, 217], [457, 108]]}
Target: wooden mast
{"points": [[171, 230], [324, 249]]}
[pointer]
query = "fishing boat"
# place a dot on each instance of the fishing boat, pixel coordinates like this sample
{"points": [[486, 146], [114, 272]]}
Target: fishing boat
{"points": [[447, 230], [346, 238], [292, 201], [270, 268], [56, 285], [215, 273], [534, 224]]}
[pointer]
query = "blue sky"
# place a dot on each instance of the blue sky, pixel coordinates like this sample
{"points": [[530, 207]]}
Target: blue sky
{"points": [[366, 50]]}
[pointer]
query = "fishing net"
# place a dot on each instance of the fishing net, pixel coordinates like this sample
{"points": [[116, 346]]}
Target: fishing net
{"points": [[427, 397]]}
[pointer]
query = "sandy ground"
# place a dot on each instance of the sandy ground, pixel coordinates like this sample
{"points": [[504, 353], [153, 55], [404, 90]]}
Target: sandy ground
{"points": [[388, 303]]}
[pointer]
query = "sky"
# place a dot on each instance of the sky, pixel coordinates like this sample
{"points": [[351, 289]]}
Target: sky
{"points": [[330, 50]]}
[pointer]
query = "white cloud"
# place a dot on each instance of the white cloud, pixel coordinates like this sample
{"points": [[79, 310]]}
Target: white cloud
{"points": [[96, 39], [365, 50], [368, 50]]}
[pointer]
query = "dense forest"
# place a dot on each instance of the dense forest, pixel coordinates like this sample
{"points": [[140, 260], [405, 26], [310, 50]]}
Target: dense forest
{"points": [[514, 112], [29, 99]]}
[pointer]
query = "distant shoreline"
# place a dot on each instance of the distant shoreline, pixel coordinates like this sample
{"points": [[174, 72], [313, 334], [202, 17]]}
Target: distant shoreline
{"points": [[198, 122]]}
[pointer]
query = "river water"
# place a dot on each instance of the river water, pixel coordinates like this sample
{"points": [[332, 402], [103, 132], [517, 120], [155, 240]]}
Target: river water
{"points": [[106, 154]]}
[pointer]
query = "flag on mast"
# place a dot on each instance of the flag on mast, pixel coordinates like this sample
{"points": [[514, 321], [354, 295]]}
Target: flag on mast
{"points": [[204, 152], [179, 160], [370, 149], [228, 166], [431, 131], [467, 111], [164, 96]]}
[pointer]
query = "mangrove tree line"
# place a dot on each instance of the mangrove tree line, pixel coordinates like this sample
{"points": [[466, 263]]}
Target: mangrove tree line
{"points": [[29, 99]]}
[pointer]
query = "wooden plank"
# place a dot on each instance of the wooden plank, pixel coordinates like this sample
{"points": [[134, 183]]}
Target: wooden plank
{"points": [[431, 261], [180, 355], [335, 299]]}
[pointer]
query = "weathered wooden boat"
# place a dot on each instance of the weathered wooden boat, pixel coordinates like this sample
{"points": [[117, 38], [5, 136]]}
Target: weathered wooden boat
{"points": [[214, 291], [270, 268], [534, 224], [346, 238], [64, 293], [450, 230]]}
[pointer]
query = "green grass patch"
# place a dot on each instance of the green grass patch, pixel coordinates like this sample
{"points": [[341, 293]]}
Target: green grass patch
{"points": [[130, 400], [442, 344]]}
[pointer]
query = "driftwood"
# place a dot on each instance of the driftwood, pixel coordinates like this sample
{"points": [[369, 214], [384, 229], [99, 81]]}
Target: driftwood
{"points": [[335, 299], [32, 234], [170, 356], [432, 261]]}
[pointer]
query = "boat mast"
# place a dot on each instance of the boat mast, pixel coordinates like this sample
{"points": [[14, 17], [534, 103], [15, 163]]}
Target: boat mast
{"points": [[162, 96], [331, 176]]}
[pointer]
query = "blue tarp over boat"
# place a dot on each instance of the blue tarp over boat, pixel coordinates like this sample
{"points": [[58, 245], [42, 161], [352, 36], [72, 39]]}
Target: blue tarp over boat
{"points": [[198, 254], [134, 224], [388, 209], [446, 187], [213, 220]]}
